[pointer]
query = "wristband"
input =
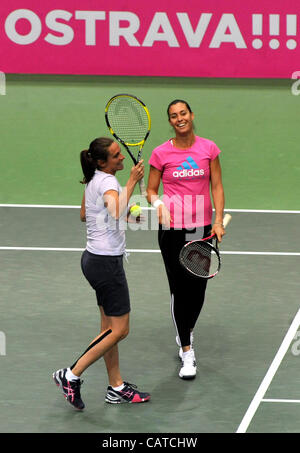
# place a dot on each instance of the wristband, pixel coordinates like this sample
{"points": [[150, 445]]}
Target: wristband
{"points": [[157, 203]]}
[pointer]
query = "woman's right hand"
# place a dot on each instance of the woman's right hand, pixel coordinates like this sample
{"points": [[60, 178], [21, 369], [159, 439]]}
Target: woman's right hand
{"points": [[137, 172]]}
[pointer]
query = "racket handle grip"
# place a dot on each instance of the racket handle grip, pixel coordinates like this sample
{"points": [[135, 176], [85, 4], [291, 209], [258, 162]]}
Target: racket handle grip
{"points": [[143, 187], [226, 220]]}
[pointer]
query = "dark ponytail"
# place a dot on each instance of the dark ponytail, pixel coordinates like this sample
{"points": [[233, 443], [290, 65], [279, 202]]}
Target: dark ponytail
{"points": [[98, 150]]}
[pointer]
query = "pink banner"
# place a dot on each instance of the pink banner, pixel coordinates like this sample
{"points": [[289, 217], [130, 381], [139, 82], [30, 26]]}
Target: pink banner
{"points": [[195, 38]]}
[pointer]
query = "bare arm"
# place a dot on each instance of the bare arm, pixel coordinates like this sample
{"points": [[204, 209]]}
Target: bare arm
{"points": [[217, 192], [153, 185], [154, 179], [82, 209]]}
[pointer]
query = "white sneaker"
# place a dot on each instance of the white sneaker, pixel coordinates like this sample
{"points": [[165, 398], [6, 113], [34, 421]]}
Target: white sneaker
{"points": [[189, 368], [179, 344]]}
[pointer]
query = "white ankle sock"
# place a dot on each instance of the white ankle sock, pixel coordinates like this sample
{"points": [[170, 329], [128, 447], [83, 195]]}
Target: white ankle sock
{"points": [[118, 389], [70, 376], [187, 353]]}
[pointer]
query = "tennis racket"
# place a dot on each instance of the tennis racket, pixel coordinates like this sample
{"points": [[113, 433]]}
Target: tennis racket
{"points": [[201, 257], [128, 120]]}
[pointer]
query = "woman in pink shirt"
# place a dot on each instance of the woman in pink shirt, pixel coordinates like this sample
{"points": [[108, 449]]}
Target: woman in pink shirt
{"points": [[188, 167]]}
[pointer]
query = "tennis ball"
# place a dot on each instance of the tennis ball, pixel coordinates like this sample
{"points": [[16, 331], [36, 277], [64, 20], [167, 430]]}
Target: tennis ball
{"points": [[135, 210]]}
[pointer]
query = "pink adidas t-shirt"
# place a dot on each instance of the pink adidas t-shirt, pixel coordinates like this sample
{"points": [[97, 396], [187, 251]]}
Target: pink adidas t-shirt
{"points": [[186, 181]]}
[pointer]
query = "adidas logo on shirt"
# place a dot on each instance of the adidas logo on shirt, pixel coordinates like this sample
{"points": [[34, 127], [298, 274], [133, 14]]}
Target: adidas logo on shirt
{"points": [[188, 168]]}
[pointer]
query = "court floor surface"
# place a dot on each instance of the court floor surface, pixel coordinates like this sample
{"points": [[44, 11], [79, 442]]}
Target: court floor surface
{"points": [[247, 339]]}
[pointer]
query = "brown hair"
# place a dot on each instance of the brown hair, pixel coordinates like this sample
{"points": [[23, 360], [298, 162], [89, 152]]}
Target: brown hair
{"points": [[176, 101], [98, 150]]}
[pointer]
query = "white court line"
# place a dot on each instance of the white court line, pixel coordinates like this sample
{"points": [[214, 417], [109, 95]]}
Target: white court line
{"points": [[264, 211], [261, 253], [273, 400], [270, 374], [76, 249], [55, 206], [44, 249], [51, 206], [69, 249]]}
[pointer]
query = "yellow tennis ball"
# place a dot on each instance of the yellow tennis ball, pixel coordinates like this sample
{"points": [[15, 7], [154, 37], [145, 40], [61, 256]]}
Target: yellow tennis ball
{"points": [[135, 210]]}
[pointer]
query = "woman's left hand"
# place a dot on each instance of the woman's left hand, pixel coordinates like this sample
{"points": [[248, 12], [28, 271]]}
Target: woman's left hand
{"points": [[218, 230]]}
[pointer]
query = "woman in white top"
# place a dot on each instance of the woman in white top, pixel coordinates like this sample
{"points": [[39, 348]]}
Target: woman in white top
{"points": [[104, 208]]}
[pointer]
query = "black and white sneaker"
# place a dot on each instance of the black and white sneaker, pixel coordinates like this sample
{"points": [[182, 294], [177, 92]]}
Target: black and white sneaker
{"points": [[129, 394], [189, 368], [70, 389]]}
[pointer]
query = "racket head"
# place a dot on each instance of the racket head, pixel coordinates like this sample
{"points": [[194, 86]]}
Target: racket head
{"points": [[201, 258], [128, 120]]}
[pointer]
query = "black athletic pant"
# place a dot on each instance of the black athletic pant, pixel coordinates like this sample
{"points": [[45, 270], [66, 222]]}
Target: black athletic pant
{"points": [[187, 291]]}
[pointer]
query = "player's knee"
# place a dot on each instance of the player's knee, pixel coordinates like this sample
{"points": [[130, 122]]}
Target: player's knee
{"points": [[121, 327], [124, 332]]}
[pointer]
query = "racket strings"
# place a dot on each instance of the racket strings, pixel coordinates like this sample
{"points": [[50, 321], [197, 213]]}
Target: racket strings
{"points": [[128, 119], [200, 259]]}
